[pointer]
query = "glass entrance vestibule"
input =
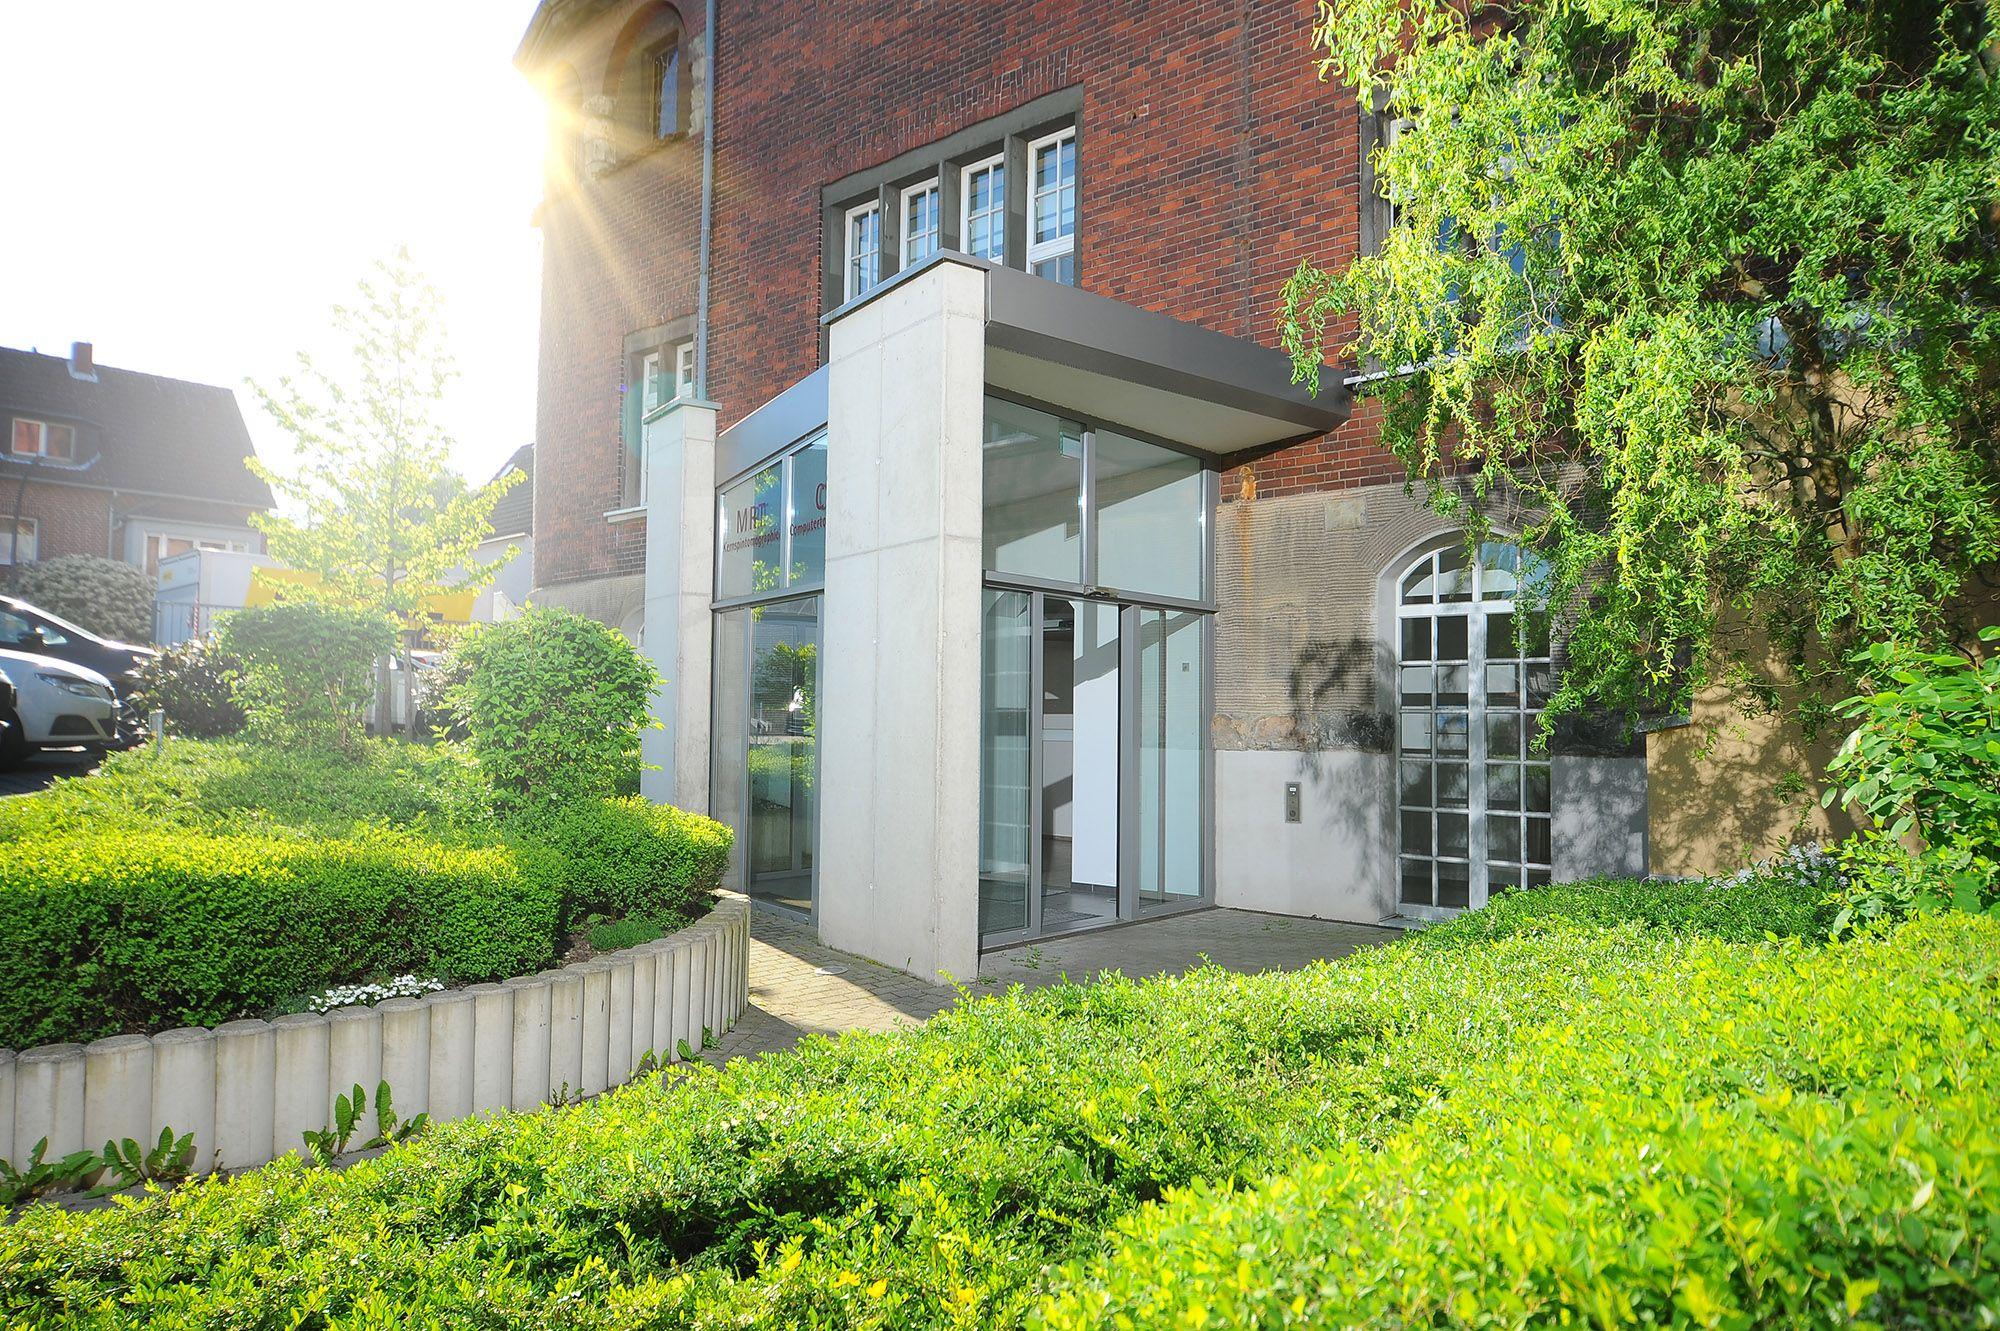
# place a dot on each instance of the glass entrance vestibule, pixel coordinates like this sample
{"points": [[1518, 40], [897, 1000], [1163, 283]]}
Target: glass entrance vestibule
{"points": [[1096, 637]]}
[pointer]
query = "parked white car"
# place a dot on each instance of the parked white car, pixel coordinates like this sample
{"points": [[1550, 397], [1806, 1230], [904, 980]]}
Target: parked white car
{"points": [[56, 705]]}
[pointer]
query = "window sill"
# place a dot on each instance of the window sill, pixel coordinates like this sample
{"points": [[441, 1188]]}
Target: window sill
{"points": [[630, 514]]}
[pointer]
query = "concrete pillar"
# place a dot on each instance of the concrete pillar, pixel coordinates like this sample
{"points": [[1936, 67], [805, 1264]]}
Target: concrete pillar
{"points": [[594, 1029], [453, 1043], [565, 1031], [354, 1053], [493, 1047], [900, 674], [7, 1104], [48, 1101], [117, 1090], [529, 1086], [245, 1083], [675, 972], [698, 1014], [645, 965], [406, 1056], [184, 1091], [299, 1096], [680, 581], [618, 1057]]}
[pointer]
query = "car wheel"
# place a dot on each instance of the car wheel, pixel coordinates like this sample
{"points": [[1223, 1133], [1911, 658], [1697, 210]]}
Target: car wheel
{"points": [[13, 742]]}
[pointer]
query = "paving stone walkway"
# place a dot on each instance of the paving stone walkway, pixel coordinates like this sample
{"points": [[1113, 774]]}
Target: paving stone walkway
{"points": [[800, 987]]}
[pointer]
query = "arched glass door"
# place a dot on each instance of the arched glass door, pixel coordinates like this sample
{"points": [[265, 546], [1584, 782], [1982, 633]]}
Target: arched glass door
{"points": [[1473, 673]]}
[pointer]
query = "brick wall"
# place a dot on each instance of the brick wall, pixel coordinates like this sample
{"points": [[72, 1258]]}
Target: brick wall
{"points": [[1211, 162], [74, 520]]}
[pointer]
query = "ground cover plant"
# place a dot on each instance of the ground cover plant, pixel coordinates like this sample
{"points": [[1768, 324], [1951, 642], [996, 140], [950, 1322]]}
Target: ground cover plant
{"points": [[216, 880], [1653, 1114]]}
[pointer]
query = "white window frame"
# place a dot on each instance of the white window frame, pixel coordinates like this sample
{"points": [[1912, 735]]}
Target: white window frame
{"points": [[855, 260], [998, 212], [934, 188], [32, 528], [683, 370], [42, 429], [1061, 246], [650, 366]]}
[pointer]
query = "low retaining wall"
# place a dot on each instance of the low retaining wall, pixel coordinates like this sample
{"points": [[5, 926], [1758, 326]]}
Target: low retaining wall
{"points": [[249, 1090]]}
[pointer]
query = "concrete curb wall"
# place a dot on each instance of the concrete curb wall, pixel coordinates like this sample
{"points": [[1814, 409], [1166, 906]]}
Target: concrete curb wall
{"points": [[247, 1090]]}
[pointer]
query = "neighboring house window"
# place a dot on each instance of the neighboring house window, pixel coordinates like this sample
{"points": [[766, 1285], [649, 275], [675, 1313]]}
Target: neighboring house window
{"points": [[23, 545], [162, 545], [1473, 674], [984, 228], [864, 249], [921, 223], [43, 439], [1052, 207], [667, 92]]}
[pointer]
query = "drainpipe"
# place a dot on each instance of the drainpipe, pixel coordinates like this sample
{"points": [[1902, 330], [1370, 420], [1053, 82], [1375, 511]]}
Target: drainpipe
{"points": [[707, 209]]}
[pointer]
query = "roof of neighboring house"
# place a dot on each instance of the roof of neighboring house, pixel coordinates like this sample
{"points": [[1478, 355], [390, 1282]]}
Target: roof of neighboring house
{"points": [[514, 515], [143, 432]]}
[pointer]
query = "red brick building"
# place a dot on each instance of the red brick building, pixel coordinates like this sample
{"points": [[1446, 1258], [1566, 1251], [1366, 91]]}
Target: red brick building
{"points": [[118, 464], [1329, 686]]}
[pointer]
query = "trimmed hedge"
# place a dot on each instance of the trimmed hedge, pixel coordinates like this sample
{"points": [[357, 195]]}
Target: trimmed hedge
{"points": [[628, 857], [1528, 1119], [1742, 910], [212, 881], [100, 934]]}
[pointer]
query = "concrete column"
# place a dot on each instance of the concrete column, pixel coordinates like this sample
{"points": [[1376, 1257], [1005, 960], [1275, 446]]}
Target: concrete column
{"points": [[354, 1053], [48, 1101], [595, 1027], [453, 1044], [698, 1018], [565, 1031], [618, 1056], [406, 1056], [184, 1091], [529, 1086], [645, 965], [676, 971], [245, 1077], [493, 1046], [117, 1090], [7, 1105], [299, 1095], [680, 581], [899, 709]]}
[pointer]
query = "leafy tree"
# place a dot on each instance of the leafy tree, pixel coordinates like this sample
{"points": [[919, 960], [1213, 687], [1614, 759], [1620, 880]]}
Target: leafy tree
{"points": [[303, 667], [1709, 291], [374, 507]]}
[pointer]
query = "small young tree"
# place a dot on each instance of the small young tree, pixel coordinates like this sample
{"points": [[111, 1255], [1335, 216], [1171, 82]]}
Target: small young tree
{"points": [[374, 507], [1712, 291], [303, 673]]}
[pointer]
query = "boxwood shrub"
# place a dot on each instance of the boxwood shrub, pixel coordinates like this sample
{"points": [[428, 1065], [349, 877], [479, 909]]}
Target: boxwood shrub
{"points": [[629, 857], [102, 933], [1571, 1124]]}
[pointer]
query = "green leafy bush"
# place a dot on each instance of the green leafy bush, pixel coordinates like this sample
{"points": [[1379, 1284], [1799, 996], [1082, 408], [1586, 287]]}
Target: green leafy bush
{"points": [[1923, 762], [627, 857], [308, 670], [1529, 1118], [100, 933], [194, 683], [1743, 909], [553, 703], [107, 596]]}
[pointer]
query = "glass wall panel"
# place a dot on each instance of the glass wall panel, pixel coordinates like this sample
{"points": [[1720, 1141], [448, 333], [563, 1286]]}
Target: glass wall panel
{"points": [[1032, 463], [806, 514], [1080, 733], [1151, 503], [729, 735], [1004, 759], [782, 751], [752, 545], [1169, 758]]}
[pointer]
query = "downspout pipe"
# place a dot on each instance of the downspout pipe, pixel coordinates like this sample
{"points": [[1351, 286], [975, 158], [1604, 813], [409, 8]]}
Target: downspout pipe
{"points": [[707, 208]]}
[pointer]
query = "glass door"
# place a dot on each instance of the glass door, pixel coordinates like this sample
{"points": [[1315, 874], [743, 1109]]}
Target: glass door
{"points": [[766, 745], [1168, 859]]}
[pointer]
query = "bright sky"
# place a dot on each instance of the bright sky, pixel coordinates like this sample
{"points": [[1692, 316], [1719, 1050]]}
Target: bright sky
{"points": [[192, 186]]}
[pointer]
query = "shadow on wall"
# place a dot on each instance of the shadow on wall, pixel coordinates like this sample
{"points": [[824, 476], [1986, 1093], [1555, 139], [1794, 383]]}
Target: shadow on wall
{"points": [[1324, 671]]}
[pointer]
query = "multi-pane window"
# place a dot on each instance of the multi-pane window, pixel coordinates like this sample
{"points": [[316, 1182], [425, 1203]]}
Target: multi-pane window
{"points": [[42, 439], [922, 224], [1052, 207], [864, 249], [983, 231], [1473, 673], [23, 544], [664, 374]]}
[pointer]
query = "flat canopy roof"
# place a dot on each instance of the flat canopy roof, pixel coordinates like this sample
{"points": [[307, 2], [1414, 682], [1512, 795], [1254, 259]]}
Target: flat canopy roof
{"points": [[1100, 358]]}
